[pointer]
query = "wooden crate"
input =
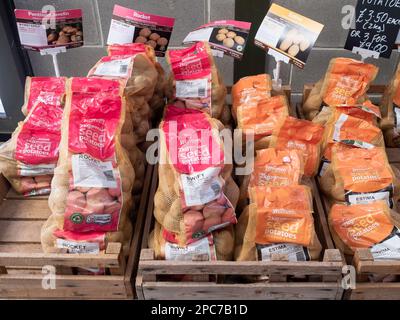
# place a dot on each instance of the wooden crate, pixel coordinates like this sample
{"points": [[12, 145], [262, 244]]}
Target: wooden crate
{"points": [[219, 280], [22, 259]]}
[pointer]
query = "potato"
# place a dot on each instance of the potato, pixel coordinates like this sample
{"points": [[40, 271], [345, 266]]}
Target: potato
{"points": [[114, 192], [152, 43], [222, 200], [304, 44], [228, 215], [27, 184], [239, 40], [83, 189], [76, 200], [298, 39], [213, 209], [294, 50], [43, 180], [285, 45], [140, 39], [211, 222], [145, 32], [96, 199], [193, 221], [220, 37], [228, 42], [162, 42], [155, 36], [111, 208], [231, 34], [292, 34]]}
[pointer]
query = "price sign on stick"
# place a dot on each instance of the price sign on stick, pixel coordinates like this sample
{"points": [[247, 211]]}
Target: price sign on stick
{"points": [[51, 32], [289, 34], [225, 36], [128, 25], [376, 28]]}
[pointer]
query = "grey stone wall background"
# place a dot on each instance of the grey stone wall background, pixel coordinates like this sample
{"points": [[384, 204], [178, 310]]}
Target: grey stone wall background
{"points": [[193, 13]]}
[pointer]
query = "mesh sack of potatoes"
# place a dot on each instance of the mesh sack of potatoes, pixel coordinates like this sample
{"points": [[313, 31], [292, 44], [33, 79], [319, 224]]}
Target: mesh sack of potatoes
{"points": [[366, 111], [196, 193], [358, 175], [29, 158], [390, 107], [218, 245], [302, 135], [49, 90], [157, 101], [360, 226], [90, 196], [349, 131], [346, 82], [255, 111], [195, 81], [274, 168], [278, 220], [137, 71]]}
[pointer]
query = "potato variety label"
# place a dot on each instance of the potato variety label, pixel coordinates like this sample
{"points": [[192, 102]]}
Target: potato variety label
{"points": [[128, 26], [42, 30], [288, 33], [228, 36]]}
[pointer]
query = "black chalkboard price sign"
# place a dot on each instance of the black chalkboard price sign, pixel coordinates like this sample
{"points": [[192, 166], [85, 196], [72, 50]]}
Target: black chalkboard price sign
{"points": [[377, 24]]}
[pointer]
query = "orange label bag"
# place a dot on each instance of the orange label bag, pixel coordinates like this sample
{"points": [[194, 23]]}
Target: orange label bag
{"points": [[365, 174], [347, 80], [367, 226], [301, 135], [284, 215], [250, 90], [263, 116], [351, 131], [277, 168], [367, 111]]}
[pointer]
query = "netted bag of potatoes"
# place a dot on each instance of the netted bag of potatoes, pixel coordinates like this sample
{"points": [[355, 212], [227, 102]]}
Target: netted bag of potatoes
{"points": [[390, 107], [218, 245], [29, 158], [361, 226], [301, 135], [346, 82], [350, 131], [139, 75], [119, 65], [255, 111], [366, 111], [279, 220], [196, 193], [274, 168], [91, 190], [157, 101], [358, 176], [49, 90], [195, 82]]}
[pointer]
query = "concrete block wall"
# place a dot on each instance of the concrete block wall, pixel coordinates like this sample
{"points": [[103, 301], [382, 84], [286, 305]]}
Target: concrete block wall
{"points": [[189, 15], [329, 45]]}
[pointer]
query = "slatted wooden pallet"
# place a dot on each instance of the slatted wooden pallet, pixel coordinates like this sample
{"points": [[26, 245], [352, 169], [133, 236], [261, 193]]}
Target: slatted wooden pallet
{"points": [[363, 261], [22, 259], [221, 280]]}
